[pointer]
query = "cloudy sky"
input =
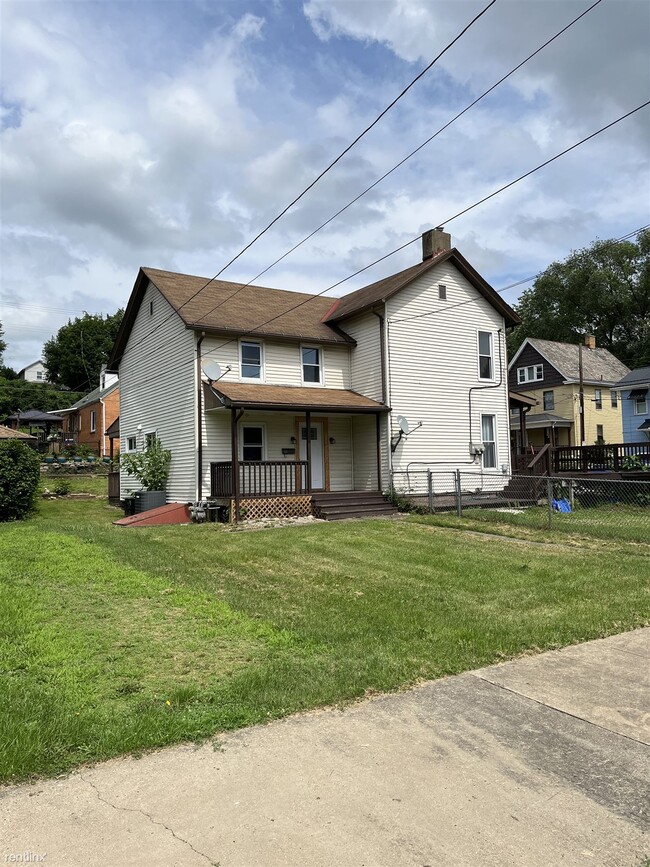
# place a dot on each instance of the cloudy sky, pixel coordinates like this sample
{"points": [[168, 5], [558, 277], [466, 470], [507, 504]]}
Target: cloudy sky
{"points": [[168, 133]]}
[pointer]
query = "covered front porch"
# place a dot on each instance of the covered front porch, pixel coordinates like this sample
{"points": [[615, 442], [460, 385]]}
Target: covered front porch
{"points": [[276, 451]]}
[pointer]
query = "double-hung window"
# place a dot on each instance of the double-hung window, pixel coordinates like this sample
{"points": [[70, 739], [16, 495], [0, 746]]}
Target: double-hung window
{"points": [[598, 398], [488, 434], [252, 442], [549, 401], [534, 373], [93, 421], [251, 360], [311, 364], [613, 396], [641, 404], [131, 444], [485, 360]]}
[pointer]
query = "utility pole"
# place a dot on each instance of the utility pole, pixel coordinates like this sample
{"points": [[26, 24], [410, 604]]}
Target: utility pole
{"points": [[581, 395]]}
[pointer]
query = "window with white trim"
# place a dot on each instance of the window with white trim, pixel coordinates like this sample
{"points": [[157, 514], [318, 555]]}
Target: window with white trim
{"points": [[252, 437], [598, 398], [40, 375], [533, 373], [640, 405], [613, 396], [250, 359], [132, 444], [485, 360], [93, 421], [488, 435], [150, 438], [311, 364], [600, 435]]}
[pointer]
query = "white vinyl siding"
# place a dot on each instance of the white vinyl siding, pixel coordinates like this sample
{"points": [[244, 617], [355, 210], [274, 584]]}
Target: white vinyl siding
{"points": [[158, 392], [436, 392], [281, 362], [365, 357]]}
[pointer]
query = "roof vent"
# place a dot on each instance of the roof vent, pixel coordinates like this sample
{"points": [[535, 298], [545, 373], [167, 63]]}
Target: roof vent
{"points": [[435, 241]]}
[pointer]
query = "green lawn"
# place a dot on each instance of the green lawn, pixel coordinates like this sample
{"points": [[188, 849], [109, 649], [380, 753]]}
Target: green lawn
{"points": [[95, 484], [615, 521], [115, 640]]}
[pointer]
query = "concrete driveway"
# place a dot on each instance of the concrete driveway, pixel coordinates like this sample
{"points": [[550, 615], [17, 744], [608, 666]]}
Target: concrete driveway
{"points": [[542, 761]]}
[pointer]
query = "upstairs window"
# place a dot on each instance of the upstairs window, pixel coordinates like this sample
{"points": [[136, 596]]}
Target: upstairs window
{"points": [[534, 373], [93, 421], [485, 361], [549, 401], [252, 443], [442, 292], [311, 364], [40, 375], [251, 360], [613, 396], [640, 405], [598, 398]]}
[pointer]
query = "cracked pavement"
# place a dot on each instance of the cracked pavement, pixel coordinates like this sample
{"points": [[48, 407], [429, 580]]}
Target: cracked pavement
{"points": [[541, 761]]}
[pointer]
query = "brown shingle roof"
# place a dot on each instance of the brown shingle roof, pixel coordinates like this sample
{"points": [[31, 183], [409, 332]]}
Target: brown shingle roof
{"points": [[598, 365], [8, 433], [290, 397], [248, 308], [378, 292]]}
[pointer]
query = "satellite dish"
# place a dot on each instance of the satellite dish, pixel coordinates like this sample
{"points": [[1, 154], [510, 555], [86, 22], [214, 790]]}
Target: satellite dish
{"points": [[403, 424], [212, 369]]}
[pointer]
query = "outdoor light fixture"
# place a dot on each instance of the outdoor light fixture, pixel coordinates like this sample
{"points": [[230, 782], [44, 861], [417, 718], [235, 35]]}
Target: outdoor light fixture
{"points": [[293, 440], [332, 441]]}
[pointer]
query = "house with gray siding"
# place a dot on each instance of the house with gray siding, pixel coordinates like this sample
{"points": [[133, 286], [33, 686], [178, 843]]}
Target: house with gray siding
{"points": [[277, 402]]}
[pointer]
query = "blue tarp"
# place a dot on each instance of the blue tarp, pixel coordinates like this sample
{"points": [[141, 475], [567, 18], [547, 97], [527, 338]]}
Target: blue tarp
{"points": [[561, 505]]}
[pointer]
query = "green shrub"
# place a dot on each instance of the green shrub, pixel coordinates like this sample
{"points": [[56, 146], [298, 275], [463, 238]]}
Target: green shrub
{"points": [[150, 467], [19, 479], [61, 488]]}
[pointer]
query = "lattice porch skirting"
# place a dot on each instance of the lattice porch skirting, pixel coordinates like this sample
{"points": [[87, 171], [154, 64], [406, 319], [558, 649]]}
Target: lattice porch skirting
{"points": [[273, 507]]}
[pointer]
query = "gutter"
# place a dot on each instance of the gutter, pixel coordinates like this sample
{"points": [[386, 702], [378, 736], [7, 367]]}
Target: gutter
{"points": [[199, 417]]}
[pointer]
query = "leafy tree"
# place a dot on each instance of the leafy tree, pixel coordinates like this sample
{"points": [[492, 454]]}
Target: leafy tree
{"points": [[604, 290], [19, 479], [17, 394], [74, 357], [3, 345]]}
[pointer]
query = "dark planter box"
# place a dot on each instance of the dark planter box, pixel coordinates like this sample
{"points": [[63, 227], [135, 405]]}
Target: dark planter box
{"points": [[145, 500], [636, 475]]}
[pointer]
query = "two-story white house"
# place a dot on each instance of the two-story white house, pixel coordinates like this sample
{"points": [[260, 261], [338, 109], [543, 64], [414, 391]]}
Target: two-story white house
{"points": [[281, 402]]}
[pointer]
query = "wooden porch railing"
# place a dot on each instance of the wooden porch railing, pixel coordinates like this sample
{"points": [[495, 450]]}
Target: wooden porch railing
{"points": [[584, 459], [260, 478], [533, 463]]}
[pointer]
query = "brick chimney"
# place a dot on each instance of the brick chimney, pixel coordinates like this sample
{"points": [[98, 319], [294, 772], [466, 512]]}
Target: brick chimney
{"points": [[435, 241], [590, 341]]}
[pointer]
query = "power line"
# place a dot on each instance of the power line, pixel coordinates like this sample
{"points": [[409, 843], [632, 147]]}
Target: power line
{"points": [[333, 162], [505, 288], [404, 160], [403, 246]]}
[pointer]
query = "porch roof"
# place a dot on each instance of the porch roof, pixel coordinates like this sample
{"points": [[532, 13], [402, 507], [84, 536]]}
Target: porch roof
{"points": [[541, 420], [291, 397]]}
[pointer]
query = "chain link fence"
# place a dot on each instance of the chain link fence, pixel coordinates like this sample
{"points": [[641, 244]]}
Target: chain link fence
{"points": [[606, 507]]}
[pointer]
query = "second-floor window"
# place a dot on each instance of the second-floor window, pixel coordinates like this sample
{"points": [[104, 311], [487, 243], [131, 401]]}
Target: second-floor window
{"points": [[640, 404], [311, 364], [485, 361], [530, 374], [251, 360], [93, 421], [613, 396], [598, 398], [549, 401]]}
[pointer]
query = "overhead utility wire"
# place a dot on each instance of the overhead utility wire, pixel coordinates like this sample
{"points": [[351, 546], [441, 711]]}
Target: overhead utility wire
{"points": [[334, 161], [404, 160], [504, 288], [255, 330]]}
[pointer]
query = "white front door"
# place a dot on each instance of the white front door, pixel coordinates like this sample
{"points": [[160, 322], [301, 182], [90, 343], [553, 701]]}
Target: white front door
{"points": [[317, 454]]}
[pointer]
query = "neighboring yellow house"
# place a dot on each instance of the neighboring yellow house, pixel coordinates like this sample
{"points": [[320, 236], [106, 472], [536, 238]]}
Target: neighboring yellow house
{"points": [[548, 371]]}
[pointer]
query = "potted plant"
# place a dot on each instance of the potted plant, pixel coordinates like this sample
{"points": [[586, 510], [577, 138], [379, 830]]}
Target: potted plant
{"points": [[150, 468]]}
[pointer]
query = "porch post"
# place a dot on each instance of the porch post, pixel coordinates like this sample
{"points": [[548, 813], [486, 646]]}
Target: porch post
{"points": [[378, 429], [308, 449], [522, 428], [234, 460]]}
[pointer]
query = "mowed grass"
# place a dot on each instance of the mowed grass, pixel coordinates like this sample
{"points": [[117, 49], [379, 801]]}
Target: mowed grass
{"points": [[83, 483], [619, 522], [116, 640]]}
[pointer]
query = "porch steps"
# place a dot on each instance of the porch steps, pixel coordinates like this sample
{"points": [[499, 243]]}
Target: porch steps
{"points": [[337, 505]]}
